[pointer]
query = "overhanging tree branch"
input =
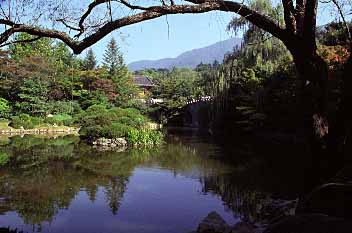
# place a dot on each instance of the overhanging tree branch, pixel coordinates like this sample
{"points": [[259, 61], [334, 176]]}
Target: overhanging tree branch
{"points": [[198, 6], [20, 41]]}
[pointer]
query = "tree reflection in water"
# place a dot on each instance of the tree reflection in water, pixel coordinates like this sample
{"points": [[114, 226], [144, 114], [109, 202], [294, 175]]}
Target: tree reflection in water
{"points": [[45, 175]]}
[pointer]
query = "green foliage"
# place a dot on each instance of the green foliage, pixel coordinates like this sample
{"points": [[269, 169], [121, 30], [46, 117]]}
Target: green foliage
{"points": [[124, 86], [90, 61], [144, 137], [100, 115], [93, 98], [113, 58], [44, 77], [251, 31], [32, 96], [98, 121], [64, 107], [26, 121], [249, 81], [4, 123], [333, 34], [4, 108], [4, 159], [136, 104], [176, 86], [259, 51], [60, 119], [57, 54]]}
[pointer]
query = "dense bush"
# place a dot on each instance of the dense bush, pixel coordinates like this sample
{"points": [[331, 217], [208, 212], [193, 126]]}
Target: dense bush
{"points": [[99, 115], [64, 107], [26, 121], [4, 159], [60, 119], [99, 121], [134, 103], [144, 137], [4, 108]]}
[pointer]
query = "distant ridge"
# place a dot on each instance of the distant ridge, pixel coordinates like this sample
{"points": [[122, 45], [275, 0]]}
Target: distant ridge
{"points": [[192, 58]]}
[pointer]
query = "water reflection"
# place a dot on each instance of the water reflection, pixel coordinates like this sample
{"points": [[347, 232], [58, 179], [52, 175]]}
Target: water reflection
{"points": [[63, 185]]}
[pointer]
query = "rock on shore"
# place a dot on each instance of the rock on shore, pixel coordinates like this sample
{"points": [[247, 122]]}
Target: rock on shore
{"points": [[107, 142], [213, 223]]}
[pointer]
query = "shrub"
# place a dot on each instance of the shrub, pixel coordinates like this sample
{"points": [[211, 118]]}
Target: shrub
{"points": [[119, 130], [133, 137], [94, 131], [144, 137], [26, 121], [60, 119], [98, 121], [136, 104], [64, 107], [4, 159], [100, 115], [5, 108]]}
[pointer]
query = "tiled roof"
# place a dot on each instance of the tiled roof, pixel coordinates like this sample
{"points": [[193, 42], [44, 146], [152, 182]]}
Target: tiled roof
{"points": [[143, 81]]}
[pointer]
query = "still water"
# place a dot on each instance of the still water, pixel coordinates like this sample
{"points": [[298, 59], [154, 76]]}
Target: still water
{"points": [[62, 185]]}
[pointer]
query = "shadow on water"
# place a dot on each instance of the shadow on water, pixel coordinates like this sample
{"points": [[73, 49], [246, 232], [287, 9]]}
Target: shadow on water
{"points": [[60, 184]]}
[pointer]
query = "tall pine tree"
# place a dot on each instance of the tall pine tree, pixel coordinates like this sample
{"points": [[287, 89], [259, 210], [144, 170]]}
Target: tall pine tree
{"points": [[113, 58], [90, 61]]}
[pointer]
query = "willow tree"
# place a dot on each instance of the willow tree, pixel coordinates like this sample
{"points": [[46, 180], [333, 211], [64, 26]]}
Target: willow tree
{"points": [[81, 24]]}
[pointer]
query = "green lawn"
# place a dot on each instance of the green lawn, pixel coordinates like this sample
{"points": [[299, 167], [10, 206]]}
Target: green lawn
{"points": [[4, 124]]}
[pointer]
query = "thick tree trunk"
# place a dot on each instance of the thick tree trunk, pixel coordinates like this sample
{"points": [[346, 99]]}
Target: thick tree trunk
{"points": [[330, 140], [312, 91], [313, 114], [341, 136]]}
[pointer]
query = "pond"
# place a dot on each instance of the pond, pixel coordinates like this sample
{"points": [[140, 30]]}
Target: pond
{"points": [[63, 185]]}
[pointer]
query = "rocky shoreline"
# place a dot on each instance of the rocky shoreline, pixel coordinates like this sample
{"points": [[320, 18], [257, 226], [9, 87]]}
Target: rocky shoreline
{"points": [[326, 209], [102, 144], [52, 130], [271, 214]]}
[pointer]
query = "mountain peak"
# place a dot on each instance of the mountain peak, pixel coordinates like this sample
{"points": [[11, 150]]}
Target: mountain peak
{"points": [[192, 58]]}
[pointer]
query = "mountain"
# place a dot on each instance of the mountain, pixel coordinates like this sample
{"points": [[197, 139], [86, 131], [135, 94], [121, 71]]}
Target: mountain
{"points": [[190, 58]]}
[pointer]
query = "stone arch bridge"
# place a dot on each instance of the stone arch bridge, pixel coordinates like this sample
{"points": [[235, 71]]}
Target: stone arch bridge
{"points": [[194, 114]]}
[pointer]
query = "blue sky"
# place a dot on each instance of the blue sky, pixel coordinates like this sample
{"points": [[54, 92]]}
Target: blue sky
{"points": [[154, 39]]}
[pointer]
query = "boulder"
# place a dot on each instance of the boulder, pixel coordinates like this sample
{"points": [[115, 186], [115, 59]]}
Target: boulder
{"points": [[106, 142], [119, 142], [102, 142], [243, 227], [332, 199], [213, 223], [310, 223]]}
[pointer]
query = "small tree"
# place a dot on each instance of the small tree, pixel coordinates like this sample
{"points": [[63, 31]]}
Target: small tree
{"points": [[33, 96], [90, 61], [113, 58]]}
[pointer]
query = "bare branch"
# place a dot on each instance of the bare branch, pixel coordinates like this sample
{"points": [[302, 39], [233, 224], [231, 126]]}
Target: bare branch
{"points": [[67, 25], [344, 21], [87, 13]]}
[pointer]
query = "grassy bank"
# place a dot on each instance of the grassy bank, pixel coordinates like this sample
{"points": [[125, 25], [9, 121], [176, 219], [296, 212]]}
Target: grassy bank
{"points": [[38, 129]]}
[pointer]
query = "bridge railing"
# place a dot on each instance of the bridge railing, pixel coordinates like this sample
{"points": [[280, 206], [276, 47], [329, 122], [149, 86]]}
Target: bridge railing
{"points": [[200, 99]]}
